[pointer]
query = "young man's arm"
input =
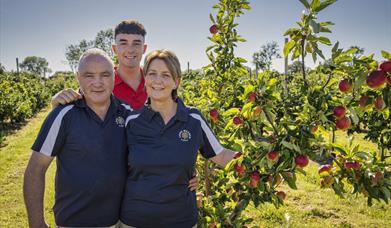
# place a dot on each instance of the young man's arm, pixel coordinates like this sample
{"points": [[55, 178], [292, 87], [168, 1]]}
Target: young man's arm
{"points": [[63, 97], [34, 189]]}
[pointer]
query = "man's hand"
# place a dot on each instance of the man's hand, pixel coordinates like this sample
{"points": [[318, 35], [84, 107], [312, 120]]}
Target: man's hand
{"points": [[65, 96], [193, 183]]}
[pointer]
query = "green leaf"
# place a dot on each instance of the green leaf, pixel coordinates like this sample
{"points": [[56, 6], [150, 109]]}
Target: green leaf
{"points": [[291, 31], [319, 52], [354, 116], [340, 148], [230, 112], [326, 23], [324, 29], [315, 4], [324, 5], [335, 48], [386, 55], [305, 3], [288, 47], [212, 19], [290, 146], [386, 192], [314, 26], [290, 180], [324, 40]]}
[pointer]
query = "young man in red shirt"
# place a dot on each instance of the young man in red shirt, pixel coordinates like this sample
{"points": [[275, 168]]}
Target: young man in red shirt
{"points": [[129, 48]]}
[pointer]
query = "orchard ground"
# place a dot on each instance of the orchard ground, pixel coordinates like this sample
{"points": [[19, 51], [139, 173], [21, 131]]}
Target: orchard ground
{"points": [[309, 206]]}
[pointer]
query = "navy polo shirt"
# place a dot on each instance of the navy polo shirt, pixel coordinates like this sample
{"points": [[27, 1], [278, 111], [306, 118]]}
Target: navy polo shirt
{"points": [[91, 162], [161, 162]]}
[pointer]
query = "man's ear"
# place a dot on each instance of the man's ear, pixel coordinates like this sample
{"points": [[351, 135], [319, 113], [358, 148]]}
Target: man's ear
{"points": [[145, 48], [114, 47]]}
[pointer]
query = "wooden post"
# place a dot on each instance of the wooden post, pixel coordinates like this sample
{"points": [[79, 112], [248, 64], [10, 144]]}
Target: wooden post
{"points": [[17, 66], [188, 67], [286, 72]]}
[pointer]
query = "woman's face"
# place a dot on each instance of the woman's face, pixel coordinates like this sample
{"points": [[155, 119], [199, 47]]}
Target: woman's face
{"points": [[159, 81]]}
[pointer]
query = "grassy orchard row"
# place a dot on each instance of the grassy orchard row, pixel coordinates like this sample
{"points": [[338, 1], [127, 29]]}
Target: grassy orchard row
{"points": [[279, 122], [24, 94]]}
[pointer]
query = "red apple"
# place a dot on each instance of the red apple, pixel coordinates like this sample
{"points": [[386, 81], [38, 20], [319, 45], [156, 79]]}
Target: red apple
{"points": [[345, 86], [376, 79], [364, 101], [257, 110], [379, 103], [213, 29], [339, 111], [255, 175], [237, 120], [325, 168], [301, 160], [237, 155], [385, 66], [254, 179], [272, 156], [239, 169], [343, 123], [252, 96], [214, 113], [281, 195], [352, 165]]}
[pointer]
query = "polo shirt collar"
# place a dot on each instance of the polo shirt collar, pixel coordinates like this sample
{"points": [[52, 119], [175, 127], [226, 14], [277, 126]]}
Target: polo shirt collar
{"points": [[181, 114], [118, 80]]}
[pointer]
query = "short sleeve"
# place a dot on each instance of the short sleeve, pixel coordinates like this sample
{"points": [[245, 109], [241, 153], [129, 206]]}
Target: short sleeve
{"points": [[210, 145], [51, 136]]}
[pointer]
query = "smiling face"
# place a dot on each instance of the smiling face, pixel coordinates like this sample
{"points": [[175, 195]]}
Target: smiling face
{"points": [[129, 48], [159, 81], [96, 79]]}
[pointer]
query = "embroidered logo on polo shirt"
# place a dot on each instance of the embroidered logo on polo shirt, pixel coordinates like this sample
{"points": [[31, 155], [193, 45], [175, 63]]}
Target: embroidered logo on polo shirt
{"points": [[120, 121], [184, 135]]}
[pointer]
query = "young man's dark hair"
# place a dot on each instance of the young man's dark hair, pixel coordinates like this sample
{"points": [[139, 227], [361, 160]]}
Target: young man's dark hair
{"points": [[129, 27]]}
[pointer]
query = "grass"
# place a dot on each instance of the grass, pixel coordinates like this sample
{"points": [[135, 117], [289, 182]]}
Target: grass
{"points": [[310, 206], [13, 161]]}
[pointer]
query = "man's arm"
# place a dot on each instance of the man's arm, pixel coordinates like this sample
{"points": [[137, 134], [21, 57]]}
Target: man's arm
{"points": [[224, 157], [63, 97], [34, 188]]}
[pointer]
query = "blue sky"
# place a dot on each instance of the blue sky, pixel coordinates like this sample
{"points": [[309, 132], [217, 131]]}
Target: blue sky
{"points": [[45, 27]]}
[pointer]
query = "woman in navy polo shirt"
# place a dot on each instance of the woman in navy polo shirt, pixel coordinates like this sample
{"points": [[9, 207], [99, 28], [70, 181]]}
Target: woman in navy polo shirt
{"points": [[164, 138]]}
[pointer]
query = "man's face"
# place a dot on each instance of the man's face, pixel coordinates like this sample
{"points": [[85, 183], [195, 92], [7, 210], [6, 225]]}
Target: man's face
{"points": [[129, 48], [96, 79]]}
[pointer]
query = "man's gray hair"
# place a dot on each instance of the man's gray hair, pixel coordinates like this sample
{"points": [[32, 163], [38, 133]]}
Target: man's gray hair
{"points": [[94, 52]]}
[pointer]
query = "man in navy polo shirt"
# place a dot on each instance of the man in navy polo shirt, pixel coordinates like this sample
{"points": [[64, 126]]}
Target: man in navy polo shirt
{"points": [[88, 139]]}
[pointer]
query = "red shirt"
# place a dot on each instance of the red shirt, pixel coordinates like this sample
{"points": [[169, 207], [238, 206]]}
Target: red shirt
{"points": [[124, 92]]}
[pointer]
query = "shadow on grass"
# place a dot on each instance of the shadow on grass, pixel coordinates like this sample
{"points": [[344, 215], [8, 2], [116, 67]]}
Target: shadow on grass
{"points": [[7, 129]]}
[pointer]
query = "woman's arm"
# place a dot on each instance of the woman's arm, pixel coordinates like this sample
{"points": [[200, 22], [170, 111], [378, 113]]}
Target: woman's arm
{"points": [[224, 157]]}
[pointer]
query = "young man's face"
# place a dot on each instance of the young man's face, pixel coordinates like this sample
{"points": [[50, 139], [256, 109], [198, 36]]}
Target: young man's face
{"points": [[129, 49], [96, 79]]}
